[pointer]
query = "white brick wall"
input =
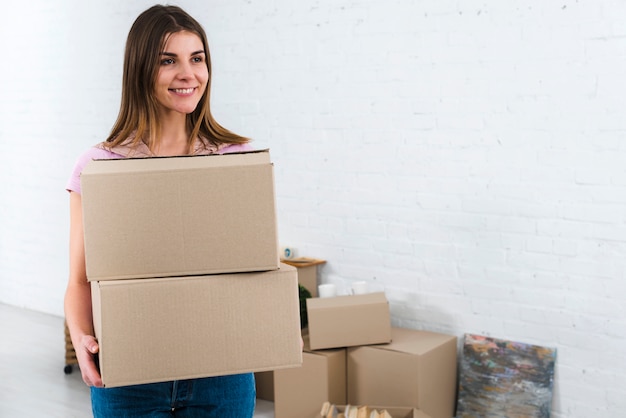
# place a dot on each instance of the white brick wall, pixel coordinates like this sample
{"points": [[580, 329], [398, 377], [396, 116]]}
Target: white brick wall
{"points": [[467, 156]]}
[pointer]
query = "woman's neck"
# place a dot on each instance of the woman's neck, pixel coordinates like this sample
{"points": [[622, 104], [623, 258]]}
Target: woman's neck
{"points": [[174, 136]]}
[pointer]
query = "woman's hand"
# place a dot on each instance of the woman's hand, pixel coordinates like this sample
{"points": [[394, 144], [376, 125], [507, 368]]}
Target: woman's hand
{"points": [[86, 355]]}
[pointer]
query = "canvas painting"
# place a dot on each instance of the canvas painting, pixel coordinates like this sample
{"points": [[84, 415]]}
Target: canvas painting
{"points": [[505, 379]]}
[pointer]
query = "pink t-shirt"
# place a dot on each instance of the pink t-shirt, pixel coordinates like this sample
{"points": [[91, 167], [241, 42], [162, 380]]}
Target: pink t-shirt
{"points": [[99, 153]]}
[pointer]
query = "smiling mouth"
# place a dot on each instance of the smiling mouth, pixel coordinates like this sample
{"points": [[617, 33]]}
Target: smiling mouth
{"points": [[183, 91]]}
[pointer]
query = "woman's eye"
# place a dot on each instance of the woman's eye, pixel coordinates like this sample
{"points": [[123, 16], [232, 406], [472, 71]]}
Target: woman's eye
{"points": [[197, 59], [167, 61]]}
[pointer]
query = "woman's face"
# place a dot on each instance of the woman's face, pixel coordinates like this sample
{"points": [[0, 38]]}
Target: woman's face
{"points": [[183, 73]]}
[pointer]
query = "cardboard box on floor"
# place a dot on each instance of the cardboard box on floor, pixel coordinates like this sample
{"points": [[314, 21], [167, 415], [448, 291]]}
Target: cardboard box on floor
{"points": [[395, 412], [153, 330], [264, 383], [299, 392], [418, 369], [351, 320], [177, 216]]}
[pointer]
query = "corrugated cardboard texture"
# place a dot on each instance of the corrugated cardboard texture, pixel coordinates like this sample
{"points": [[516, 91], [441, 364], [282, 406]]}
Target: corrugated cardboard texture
{"points": [[161, 217], [346, 321], [418, 369], [153, 330], [299, 392]]}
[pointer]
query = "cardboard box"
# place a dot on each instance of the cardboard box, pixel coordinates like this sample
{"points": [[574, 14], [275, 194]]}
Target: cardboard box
{"points": [[264, 384], [417, 369], [176, 216], [299, 392], [346, 321], [395, 412], [307, 272], [153, 330]]}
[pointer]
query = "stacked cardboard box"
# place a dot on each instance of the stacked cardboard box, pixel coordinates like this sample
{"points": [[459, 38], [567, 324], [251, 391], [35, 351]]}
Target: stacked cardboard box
{"points": [[183, 261], [299, 392], [163, 217], [346, 321], [418, 368], [412, 372]]}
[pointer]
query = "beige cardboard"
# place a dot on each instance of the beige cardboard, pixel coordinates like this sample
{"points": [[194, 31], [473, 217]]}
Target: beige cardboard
{"points": [[418, 369], [299, 392], [176, 216], [395, 412], [307, 272], [264, 383], [153, 330], [307, 277], [346, 321]]}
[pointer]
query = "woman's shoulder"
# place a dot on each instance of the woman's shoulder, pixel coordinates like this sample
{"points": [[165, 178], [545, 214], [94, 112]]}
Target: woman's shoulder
{"points": [[99, 152], [96, 152], [230, 148]]}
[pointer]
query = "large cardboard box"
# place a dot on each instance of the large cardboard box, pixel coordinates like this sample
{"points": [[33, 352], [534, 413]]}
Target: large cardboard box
{"points": [[350, 320], [175, 216], [299, 392], [417, 369], [153, 330]]}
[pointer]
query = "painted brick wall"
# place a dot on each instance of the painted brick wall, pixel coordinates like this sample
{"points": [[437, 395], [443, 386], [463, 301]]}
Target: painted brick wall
{"points": [[467, 157]]}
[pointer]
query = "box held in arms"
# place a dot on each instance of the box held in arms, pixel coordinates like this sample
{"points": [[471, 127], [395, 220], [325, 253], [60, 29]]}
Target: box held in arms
{"points": [[177, 216], [152, 330]]}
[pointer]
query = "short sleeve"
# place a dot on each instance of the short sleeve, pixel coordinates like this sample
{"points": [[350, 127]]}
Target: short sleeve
{"points": [[94, 153]]}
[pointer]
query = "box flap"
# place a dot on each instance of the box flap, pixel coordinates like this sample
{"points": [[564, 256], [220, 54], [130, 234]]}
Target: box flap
{"points": [[181, 162]]}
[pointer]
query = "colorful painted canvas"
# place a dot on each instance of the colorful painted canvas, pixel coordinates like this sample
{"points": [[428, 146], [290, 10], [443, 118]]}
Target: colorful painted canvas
{"points": [[500, 378]]}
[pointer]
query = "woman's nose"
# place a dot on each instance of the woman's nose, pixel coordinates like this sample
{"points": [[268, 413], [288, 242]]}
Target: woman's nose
{"points": [[184, 70]]}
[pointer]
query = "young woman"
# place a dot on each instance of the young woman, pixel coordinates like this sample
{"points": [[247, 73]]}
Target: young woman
{"points": [[164, 111]]}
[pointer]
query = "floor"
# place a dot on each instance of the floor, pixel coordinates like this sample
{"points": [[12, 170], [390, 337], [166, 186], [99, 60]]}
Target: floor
{"points": [[32, 359]]}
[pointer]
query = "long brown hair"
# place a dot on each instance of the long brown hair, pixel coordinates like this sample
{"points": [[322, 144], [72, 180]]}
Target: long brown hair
{"points": [[137, 120]]}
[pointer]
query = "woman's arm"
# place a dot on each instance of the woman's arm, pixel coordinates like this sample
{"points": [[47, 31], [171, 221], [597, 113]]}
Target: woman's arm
{"points": [[78, 314]]}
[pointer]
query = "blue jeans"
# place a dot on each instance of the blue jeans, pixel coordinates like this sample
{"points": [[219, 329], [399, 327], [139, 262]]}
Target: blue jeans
{"points": [[222, 396]]}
